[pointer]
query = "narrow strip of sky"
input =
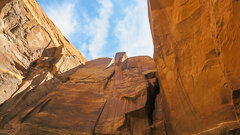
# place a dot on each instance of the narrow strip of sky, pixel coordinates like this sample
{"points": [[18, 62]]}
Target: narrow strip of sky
{"points": [[100, 28]]}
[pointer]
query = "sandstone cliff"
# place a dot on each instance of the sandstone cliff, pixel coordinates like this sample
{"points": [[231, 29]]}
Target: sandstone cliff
{"points": [[93, 100], [28, 39], [48, 88], [196, 50]]}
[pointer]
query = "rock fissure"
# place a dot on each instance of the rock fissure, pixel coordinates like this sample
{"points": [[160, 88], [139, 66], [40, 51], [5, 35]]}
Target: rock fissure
{"points": [[94, 127], [108, 79], [152, 91]]}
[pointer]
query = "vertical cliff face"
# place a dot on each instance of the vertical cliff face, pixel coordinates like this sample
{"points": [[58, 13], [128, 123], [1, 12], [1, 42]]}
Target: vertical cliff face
{"points": [[48, 87], [28, 37], [196, 50]]}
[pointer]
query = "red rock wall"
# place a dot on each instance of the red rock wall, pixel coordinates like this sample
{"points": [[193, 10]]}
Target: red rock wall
{"points": [[196, 50], [27, 35], [47, 89]]}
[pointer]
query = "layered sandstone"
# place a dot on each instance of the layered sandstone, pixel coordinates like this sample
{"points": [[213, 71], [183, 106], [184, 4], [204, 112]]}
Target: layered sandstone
{"points": [[196, 50]]}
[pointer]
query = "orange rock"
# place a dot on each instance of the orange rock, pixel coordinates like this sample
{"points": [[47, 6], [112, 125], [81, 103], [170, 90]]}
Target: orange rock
{"points": [[196, 53], [47, 88], [89, 102], [26, 36]]}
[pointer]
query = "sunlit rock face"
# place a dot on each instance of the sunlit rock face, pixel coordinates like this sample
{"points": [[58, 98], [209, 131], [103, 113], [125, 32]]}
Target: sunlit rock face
{"points": [[48, 87], [29, 39], [196, 50]]}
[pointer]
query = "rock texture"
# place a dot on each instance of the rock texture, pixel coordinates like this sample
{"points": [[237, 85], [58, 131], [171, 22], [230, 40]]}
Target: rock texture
{"points": [[94, 100], [196, 50], [48, 88], [28, 39]]}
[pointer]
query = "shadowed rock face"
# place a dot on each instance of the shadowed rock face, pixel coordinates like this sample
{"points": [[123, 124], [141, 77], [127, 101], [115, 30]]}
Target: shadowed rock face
{"points": [[93, 100], [196, 50]]}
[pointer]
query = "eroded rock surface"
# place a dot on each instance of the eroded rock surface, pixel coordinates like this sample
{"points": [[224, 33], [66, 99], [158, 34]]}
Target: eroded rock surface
{"points": [[28, 39], [48, 88], [95, 99], [196, 50]]}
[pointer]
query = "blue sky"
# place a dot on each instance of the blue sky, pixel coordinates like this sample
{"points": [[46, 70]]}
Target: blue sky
{"points": [[100, 28]]}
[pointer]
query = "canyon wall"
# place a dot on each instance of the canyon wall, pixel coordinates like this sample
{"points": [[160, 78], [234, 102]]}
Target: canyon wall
{"points": [[48, 87], [196, 50], [192, 86], [27, 37]]}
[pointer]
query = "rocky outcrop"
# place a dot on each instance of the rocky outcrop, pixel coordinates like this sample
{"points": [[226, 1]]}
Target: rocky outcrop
{"points": [[95, 99], [196, 52], [28, 39], [48, 87]]}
